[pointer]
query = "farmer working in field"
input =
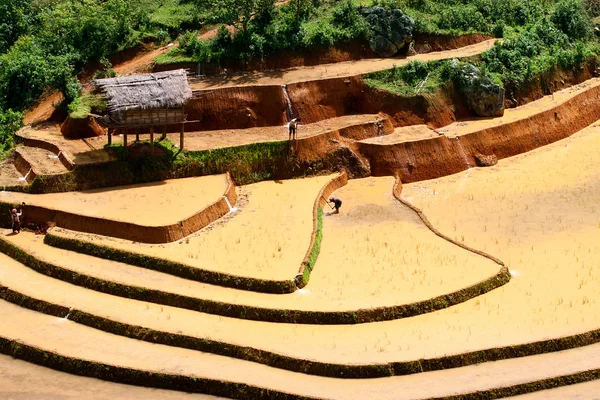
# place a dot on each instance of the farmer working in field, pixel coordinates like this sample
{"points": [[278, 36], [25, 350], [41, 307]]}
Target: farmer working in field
{"points": [[337, 204], [293, 125], [15, 218]]}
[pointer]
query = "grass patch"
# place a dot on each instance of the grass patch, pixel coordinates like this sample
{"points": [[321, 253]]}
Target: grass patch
{"points": [[414, 78], [173, 56], [83, 105], [314, 252]]}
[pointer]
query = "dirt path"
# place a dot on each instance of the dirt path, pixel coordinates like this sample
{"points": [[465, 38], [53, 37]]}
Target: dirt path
{"points": [[326, 71], [142, 63], [71, 339], [522, 112], [266, 237], [80, 151], [20, 380], [237, 137], [151, 204], [403, 134]]}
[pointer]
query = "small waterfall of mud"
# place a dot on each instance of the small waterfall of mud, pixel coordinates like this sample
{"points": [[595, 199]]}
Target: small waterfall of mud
{"points": [[231, 209], [24, 179], [290, 112], [66, 317], [55, 156]]}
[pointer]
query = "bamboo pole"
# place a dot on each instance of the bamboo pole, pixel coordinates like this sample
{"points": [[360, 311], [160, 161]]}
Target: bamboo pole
{"points": [[152, 140], [181, 137]]}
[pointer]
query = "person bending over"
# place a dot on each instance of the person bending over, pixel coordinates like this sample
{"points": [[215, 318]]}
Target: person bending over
{"points": [[337, 203]]}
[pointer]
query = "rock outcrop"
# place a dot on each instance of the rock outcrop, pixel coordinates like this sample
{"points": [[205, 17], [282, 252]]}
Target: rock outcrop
{"points": [[391, 30], [483, 97]]}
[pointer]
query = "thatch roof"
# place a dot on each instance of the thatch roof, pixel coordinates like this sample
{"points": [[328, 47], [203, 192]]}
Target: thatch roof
{"points": [[142, 92]]}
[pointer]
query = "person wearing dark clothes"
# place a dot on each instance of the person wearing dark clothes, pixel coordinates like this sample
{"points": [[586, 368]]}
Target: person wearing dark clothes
{"points": [[337, 204], [16, 220], [292, 126]]}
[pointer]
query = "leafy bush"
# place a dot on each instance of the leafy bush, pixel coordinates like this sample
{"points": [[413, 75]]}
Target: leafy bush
{"points": [[462, 18], [570, 17], [82, 106], [10, 122]]}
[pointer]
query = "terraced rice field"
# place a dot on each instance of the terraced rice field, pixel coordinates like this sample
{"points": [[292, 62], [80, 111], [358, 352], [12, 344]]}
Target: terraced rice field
{"points": [[398, 304], [151, 204], [266, 237]]}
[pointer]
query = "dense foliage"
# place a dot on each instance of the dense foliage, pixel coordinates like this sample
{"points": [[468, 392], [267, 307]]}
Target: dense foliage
{"points": [[45, 43], [559, 36]]}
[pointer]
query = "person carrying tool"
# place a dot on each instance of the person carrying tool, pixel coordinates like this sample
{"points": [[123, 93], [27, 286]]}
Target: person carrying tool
{"points": [[337, 203], [15, 218], [292, 126]]}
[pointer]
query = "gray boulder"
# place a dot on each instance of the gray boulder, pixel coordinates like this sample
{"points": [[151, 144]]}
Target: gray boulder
{"points": [[484, 97], [390, 30]]}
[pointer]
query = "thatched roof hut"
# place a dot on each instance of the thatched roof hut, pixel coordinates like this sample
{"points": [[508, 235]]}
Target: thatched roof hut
{"points": [[145, 101], [156, 91]]}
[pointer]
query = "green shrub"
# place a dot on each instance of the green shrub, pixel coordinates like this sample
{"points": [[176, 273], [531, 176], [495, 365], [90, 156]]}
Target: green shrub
{"points": [[10, 122], [570, 17], [82, 106]]}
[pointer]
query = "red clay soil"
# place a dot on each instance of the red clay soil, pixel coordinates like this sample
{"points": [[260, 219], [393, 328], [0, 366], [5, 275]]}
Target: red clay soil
{"points": [[318, 100], [433, 158], [80, 128], [237, 108], [257, 106], [44, 110]]}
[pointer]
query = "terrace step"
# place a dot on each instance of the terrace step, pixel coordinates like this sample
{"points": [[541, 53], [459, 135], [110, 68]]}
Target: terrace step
{"points": [[350, 127], [178, 208], [23, 380], [328, 71], [142, 284], [344, 282], [42, 161], [62, 344], [272, 223], [10, 176]]}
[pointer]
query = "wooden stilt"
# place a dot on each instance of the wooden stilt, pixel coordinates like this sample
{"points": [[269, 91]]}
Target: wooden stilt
{"points": [[164, 135], [181, 138], [137, 134], [152, 140], [125, 138], [110, 136]]}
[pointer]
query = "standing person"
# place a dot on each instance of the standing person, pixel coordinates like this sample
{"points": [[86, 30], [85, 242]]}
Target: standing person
{"points": [[293, 125], [16, 220], [337, 204]]}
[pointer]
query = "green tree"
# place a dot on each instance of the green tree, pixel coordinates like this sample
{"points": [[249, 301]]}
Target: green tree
{"points": [[571, 18], [13, 22], [235, 12]]}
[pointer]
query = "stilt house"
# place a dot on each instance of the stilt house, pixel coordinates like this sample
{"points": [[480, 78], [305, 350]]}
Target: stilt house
{"points": [[145, 102]]}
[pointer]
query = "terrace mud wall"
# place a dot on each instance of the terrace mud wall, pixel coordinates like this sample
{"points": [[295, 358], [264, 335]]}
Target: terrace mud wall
{"points": [[318, 100], [236, 108], [41, 216], [313, 101], [433, 158]]}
